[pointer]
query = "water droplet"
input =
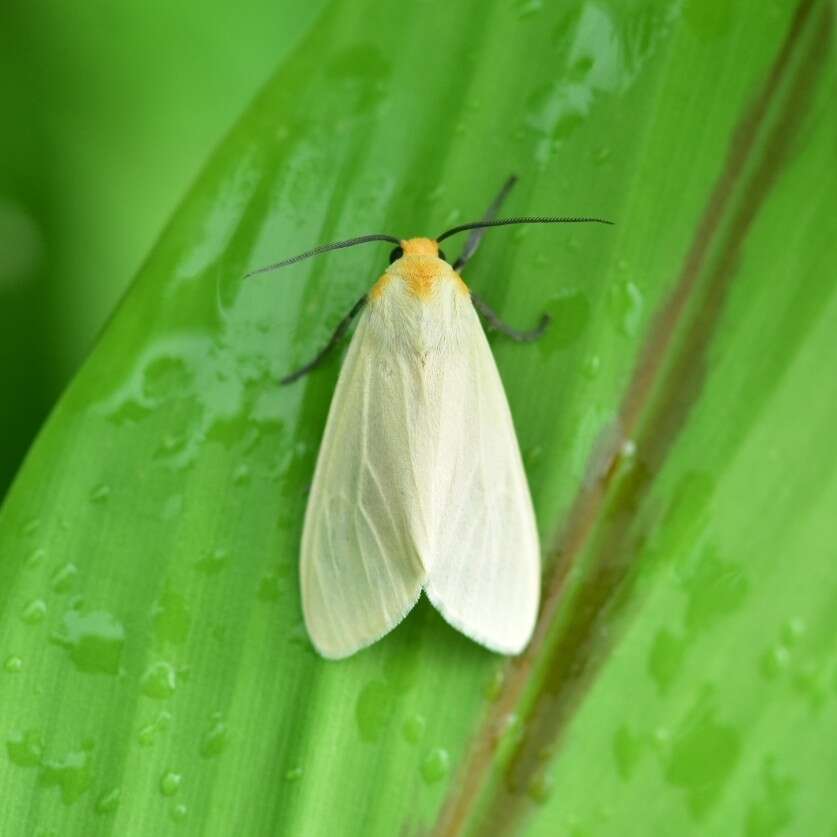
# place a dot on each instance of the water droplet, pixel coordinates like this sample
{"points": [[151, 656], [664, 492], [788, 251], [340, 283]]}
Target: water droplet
{"points": [[662, 738], [214, 740], [108, 801], [241, 475], [435, 765], [31, 527], [770, 815], [511, 724], [533, 456], [72, 774], [294, 774], [148, 733], [602, 155], [775, 661], [35, 556], [793, 631], [541, 786], [34, 612], [213, 562], [25, 749], [703, 755], [13, 664], [93, 640], [810, 681], [179, 812], [581, 67], [62, 579], [100, 494], [628, 449], [414, 727], [172, 443], [626, 307], [170, 783], [715, 587], [270, 586], [591, 366], [159, 680]]}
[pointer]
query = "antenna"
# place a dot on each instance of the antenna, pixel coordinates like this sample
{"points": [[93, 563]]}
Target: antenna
{"points": [[323, 248], [537, 219]]}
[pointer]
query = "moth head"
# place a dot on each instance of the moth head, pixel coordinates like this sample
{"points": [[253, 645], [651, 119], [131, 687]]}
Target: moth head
{"points": [[417, 247]]}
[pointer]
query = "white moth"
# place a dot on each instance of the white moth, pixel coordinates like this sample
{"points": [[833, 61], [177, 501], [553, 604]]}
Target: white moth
{"points": [[419, 483]]}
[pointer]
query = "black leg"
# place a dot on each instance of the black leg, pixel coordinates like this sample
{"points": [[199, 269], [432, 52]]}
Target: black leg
{"points": [[497, 324], [476, 235], [342, 328]]}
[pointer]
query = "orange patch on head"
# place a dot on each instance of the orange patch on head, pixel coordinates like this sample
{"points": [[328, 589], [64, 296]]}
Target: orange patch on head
{"points": [[420, 269], [420, 247]]}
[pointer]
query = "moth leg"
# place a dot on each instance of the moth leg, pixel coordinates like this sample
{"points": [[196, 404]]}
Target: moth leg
{"points": [[476, 235], [492, 318], [336, 337]]}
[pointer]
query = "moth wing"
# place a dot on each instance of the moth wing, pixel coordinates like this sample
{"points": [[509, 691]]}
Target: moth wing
{"points": [[360, 572], [485, 574]]}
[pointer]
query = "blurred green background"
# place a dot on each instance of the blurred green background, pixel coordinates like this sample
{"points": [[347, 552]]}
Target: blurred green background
{"points": [[156, 674], [109, 112]]}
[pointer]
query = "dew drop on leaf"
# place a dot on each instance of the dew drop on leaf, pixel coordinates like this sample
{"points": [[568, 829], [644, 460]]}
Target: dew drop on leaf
{"points": [[148, 732], [170, 783], [435, 765], [25, 749], [108, 801], [626, 307], [540, 787], [213, 562], [100, 494], [63, 577], [591, 366], [179, 812], [414, 727], [35, 557], [214, 740], [13, 664], [72, 774], [34, 612], [93, 640], [159, 680]]}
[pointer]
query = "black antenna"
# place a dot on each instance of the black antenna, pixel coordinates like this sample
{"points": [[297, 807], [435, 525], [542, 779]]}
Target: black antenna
{"points": [[477, 233], [323, 248], [523, 220]]}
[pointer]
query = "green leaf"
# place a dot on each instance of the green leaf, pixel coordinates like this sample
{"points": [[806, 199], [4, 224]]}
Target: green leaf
{"points": [[677, 425]]}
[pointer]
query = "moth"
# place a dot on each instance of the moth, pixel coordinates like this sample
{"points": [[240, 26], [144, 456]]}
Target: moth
{"points": [[419, 483]]}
